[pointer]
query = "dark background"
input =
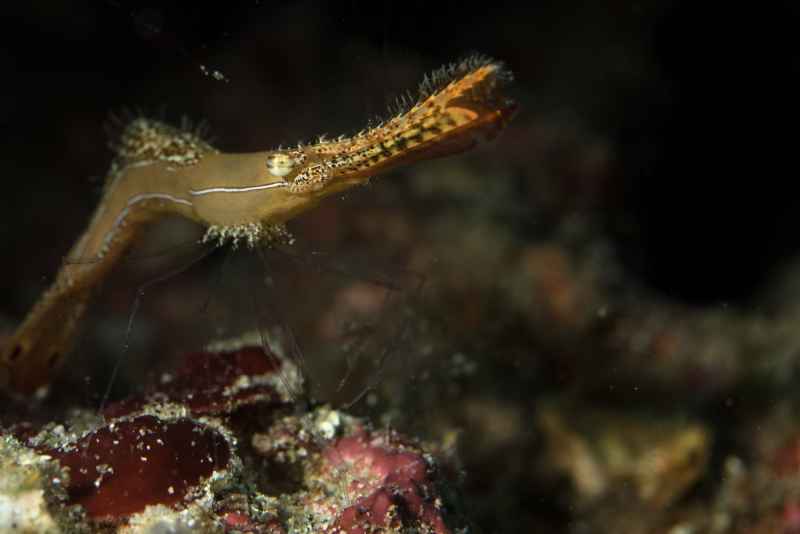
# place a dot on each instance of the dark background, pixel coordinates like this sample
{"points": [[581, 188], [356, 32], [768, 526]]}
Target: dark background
{"points": [[699, 101], [696, 106]]}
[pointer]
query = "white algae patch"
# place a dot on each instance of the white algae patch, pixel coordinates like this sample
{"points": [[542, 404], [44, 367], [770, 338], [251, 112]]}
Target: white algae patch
{"points": [[22, 505]]}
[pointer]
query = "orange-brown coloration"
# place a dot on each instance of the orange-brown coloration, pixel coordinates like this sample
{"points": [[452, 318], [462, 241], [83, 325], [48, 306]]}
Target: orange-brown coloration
{"points": [[242, 197]]}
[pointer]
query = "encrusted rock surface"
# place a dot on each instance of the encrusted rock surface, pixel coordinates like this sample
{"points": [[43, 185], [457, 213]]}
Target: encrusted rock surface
{"points": [[218, 446]]}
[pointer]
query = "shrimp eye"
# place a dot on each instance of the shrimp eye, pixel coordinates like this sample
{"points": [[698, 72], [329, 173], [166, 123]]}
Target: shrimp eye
{"points": [[280, 164]]}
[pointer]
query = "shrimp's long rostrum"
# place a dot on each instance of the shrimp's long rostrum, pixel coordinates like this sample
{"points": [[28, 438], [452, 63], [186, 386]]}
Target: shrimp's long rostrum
{"points": [[160, 170]]}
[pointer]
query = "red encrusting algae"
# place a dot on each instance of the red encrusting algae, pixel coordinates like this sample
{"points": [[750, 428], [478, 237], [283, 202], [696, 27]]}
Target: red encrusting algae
{"points": [[125, 466], [176, 455]]}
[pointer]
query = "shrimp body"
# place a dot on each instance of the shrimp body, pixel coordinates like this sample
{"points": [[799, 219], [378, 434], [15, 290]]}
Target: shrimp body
{"points": [[160, 170]]}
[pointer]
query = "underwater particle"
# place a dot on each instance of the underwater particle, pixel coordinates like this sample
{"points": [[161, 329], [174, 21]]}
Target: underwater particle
{"points": [[166, 459], [214, 73]]}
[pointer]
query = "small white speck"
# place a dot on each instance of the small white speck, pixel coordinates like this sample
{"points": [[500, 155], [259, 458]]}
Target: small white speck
{"points": [[217, 75], [328, 426]]}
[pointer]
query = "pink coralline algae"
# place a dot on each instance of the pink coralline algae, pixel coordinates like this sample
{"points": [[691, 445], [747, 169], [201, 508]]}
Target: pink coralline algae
{"points": [[391, 485], [187, 454]]}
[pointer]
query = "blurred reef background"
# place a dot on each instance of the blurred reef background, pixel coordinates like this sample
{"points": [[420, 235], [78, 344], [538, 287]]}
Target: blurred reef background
{"points": [[592, 323]]}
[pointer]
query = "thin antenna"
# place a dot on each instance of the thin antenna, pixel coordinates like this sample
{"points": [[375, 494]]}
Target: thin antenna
{"points": [[394, 341], [294, 351], [297, 356], [140, 292]]}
